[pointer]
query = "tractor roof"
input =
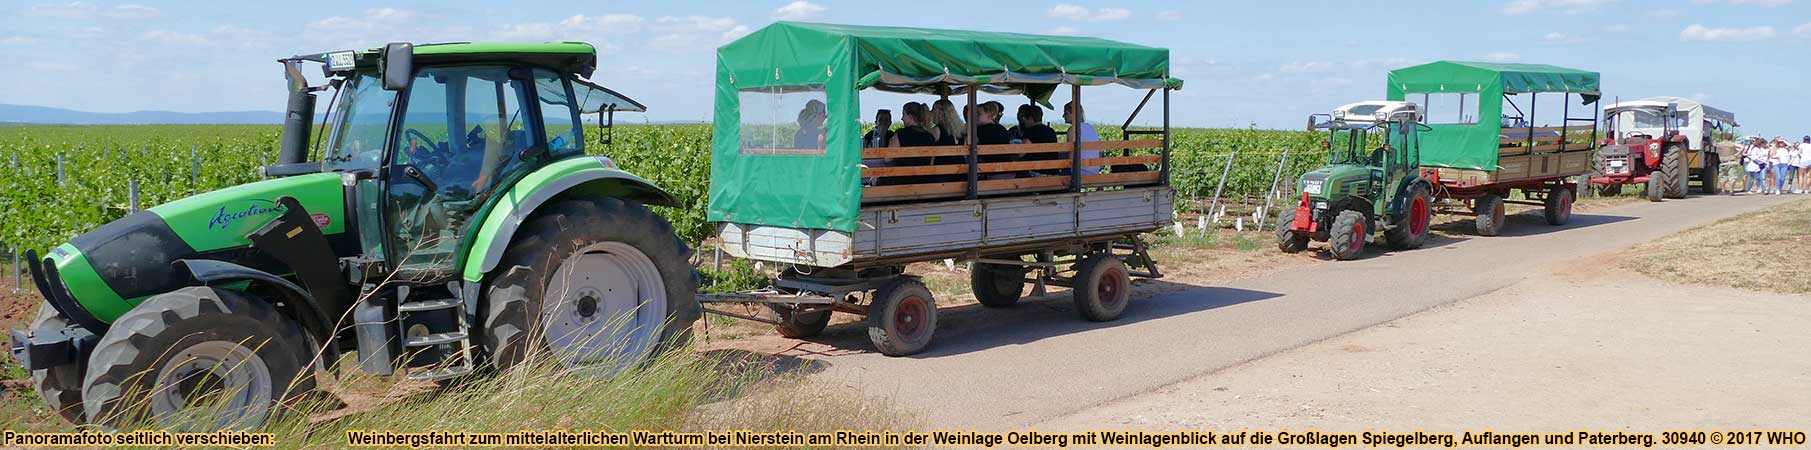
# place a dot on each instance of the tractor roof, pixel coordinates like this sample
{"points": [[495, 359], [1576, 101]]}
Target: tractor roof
{"points": [[572, 57]]}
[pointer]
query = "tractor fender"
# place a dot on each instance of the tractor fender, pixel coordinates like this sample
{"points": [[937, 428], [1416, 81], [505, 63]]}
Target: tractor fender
{"points": [[1402, 191], [593, 176], [303, 309]]}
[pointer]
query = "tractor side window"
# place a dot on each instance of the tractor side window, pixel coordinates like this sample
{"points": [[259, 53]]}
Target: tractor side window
{"points": [[786, 120], [559, 115], [361, 122], [459, 127]]}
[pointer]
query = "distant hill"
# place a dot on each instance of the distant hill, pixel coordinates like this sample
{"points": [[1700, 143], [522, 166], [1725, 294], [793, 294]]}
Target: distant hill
{"points": [[47, 115]]}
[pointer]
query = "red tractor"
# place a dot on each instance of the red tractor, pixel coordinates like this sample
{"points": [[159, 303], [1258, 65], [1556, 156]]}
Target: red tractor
{"points": [[1662, 142]]}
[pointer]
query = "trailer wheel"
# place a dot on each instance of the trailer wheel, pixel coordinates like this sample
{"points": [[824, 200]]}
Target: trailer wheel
{"points": [[997, 285], [1489, 210], [794, 324], [1654, 188], [1288, 240], [1411, 232], [1347, 235], [60, 386], [1672, 165], [1707, 176], [1558, 206], [1609, 190], [1102, 287], [197, 351], [593, 282], [902, 318]]}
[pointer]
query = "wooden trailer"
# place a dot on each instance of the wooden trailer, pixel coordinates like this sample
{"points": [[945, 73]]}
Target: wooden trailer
{"points": [[1482, 144], [792, 183]]}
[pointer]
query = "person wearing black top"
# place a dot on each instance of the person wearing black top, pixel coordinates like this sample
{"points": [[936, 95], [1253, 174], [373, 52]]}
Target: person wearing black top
{"points": [[916, 116], [882, 134], [988, 131], [1032, 129], [810, 134]]}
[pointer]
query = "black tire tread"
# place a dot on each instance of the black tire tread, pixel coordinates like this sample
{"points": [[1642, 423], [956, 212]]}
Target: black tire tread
{"points": [[1340, 235], [879, 317], [1086, 295], [1400, 237]]}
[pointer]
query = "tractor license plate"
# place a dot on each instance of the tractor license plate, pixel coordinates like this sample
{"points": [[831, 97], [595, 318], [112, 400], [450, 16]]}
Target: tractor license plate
{"points": [[1617, 163]]}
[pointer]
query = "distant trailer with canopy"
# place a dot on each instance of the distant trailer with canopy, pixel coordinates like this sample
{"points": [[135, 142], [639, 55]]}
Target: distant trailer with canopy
{"points": [[1487, 136], [793, 185]]}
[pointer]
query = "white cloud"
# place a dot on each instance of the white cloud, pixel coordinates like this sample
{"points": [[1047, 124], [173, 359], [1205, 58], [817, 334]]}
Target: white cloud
{"points": [[1169, 16], [799, 10], [371, 19], [131, 11], [1617, 28], [1502, 57], [615, 23], [1802, 30], [674, 33], [1701, 33], [1305, 67], [1519, 7], [1082, 13], [71, 10], [1559, 38], [1064, 30], [172, 37]]}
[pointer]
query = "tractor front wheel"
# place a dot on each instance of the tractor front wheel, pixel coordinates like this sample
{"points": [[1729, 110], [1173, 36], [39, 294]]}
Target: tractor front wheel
{"points": [[60, 386], [1411, 229], [199, 358], [1489, 211], [1558, 206], [1288, 240], [1655, 187], [1347, 240], [596, 283]]}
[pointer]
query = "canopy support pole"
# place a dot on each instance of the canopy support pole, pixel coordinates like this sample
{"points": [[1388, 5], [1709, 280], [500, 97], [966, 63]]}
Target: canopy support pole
{"points": [[974, 160], [1565, 112], [1075, 138], [1534, 101], [1163, 166]]}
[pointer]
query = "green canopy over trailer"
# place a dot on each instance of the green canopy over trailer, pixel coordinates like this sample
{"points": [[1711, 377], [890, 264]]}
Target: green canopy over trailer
{"points": [[1474, 144], [758, 178]]}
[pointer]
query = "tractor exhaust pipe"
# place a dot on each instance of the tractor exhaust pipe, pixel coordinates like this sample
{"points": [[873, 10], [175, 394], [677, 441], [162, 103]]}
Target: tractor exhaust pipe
{"points": [[298, 118]]}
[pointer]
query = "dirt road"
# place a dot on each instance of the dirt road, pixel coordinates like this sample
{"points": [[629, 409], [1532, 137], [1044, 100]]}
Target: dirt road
{"points": [[1039, 362]]}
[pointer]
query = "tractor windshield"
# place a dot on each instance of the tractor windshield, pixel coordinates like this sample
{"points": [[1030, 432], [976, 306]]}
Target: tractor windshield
{"points": [[359, 125], [1353, 144]]}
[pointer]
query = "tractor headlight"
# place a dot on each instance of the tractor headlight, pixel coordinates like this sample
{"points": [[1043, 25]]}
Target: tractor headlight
{"points": [[1653, 146], [1312, 187], [1320, 205]]}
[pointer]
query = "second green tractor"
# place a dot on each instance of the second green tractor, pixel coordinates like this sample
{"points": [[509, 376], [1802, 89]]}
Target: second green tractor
{"points": [[1371, 182]]}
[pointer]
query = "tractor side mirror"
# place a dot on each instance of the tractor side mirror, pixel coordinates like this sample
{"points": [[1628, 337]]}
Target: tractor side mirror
{"points": [[399, 66], [606, 123]]}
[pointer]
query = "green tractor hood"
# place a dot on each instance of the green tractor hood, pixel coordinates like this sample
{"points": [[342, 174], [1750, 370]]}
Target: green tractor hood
{"points": [[1336, 182], [106, 271]]}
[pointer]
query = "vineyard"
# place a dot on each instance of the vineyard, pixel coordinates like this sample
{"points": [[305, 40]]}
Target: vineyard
{"points": [[59, 181]]}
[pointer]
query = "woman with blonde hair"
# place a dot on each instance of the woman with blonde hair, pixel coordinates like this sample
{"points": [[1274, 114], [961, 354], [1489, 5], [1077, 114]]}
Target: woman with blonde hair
{"points": [[948, 127]]}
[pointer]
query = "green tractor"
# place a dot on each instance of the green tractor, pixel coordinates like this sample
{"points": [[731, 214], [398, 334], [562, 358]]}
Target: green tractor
{"points": [[449, 224], [1372, 181]]}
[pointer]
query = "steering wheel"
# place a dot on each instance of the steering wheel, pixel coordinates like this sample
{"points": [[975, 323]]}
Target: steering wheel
{"points": [[431, 156]]}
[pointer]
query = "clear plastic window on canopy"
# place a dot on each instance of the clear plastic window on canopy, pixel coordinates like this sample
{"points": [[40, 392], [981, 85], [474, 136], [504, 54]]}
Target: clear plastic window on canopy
{"points": [[785, 120], [1450, 108]]}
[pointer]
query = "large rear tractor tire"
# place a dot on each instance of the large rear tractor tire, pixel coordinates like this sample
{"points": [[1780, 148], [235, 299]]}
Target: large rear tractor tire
{"points": [[997, 285], [1490, 215], [1655, 187], [1558, 207], [198, 358], [60, 386], [903, 318], [1707, 175], [1346, 239], [1102, 288], [1288, 240], [795, 324], [596, 283], [1410, 231], [1673, 165]]}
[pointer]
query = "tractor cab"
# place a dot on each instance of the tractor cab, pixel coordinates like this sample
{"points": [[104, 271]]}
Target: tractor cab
{"points": [[1372, 172]]}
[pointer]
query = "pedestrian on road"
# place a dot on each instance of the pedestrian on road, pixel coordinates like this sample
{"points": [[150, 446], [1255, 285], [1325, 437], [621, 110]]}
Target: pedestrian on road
{"points": [[1754, 160], [1780, 159], [1804, 165]]}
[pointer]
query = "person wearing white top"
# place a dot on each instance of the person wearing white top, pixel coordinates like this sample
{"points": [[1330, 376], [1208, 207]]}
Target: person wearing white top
{"points": [[1804, 165], [1754, 160], [1779, 160], [1084, 132]]}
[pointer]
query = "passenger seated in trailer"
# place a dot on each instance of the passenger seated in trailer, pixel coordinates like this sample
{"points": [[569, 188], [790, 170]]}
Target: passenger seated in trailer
{"points": [[950, 128], [1082, 131], [988, 130], [882, 134], [811, 126], [1031, 129], [915, 133]]}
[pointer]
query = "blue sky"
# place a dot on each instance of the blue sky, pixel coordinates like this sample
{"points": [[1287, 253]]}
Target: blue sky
{"points": [[1263, 63]]}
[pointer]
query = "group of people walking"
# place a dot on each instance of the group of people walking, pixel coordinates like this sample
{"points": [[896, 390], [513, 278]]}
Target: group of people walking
{"points": [[1777, 166]]}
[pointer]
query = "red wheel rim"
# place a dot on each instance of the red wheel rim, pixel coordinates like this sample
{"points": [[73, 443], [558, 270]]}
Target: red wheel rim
{"points": [[1358, 238], [909, 317], [1110, 288], [1496, 213], [1565, 204], [1418, 217]]}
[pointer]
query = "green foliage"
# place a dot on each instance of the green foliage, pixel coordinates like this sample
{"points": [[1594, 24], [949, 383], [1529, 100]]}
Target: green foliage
{"points": [[36, 212], [738, 275]]}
